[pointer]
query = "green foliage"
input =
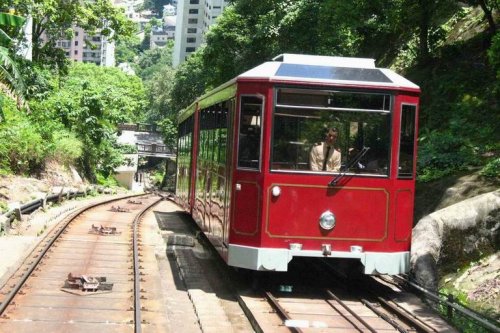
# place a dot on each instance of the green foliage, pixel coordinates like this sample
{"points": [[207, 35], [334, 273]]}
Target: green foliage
{"points": [[22, 149], [54, 20], [494, 60], [156, 5], [152, 61], [159, 93], [127, 49], [157, 177], [492, 169], [462, 322], [89, 103], [169, 132], [11, 82], [3, 207], [442, 153], [66, 148], [127, 149], [107, 181], [190, 79]]}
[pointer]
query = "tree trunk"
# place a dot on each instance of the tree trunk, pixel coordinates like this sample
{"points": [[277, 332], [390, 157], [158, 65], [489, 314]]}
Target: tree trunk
{"points": [[489, 16], [165, 175]]}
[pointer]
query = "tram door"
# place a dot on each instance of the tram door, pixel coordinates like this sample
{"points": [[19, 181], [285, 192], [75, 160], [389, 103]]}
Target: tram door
{"points": [[247, 190]]}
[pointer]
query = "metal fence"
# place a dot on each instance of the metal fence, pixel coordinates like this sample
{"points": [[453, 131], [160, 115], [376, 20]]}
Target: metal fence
{"points": [[462, 317], [7, 218]]}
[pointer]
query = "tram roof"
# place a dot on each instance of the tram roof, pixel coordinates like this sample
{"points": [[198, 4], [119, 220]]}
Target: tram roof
{"points": [[311, 69], [328, 70]]}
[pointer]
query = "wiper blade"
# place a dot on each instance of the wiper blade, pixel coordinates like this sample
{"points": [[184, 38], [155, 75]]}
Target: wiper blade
{"points": [[349, 165]]}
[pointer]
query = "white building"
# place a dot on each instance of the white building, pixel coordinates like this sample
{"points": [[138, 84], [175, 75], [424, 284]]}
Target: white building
{"points": [[194, 17], [168, 10], [161, 35]]}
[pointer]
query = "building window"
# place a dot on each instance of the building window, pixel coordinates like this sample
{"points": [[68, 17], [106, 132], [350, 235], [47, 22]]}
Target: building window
{"points": [[191, 40], [193, 11], [76, 43], [190, 49], [194, 2], [76, 51], [191, 30], [192, 21]]}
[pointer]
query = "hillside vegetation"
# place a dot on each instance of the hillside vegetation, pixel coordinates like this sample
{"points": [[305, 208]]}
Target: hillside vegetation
{"points": [[450, 48]]}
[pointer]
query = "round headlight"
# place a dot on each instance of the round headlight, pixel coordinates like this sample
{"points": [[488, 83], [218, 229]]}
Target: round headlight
{"points": [[276, 190], [327, 220]]}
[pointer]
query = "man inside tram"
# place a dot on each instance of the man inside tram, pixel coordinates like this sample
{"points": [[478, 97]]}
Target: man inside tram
{"points": [[324, 156]]}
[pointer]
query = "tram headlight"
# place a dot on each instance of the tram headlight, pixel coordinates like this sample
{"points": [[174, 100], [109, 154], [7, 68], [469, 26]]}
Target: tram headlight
{"points": [[327, 220], [276, 190]]}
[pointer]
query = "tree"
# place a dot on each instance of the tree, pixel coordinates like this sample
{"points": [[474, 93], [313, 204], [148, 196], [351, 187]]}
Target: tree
{"points": [[190, 81], [151, 61], [159, 94], [11, 81], [55, 19], [488, 6], [233, 35], [127, 49], [426, 16], [90, 102]]}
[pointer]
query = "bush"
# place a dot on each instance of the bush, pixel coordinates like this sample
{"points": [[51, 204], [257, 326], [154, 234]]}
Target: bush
{"points": [[65, 148], [442, 153], [127, 149], [22, 150], [492, 169], [158, 177], [108, 181]]}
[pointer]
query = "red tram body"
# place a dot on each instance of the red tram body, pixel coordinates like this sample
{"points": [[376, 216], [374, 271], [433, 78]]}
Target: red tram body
{"points": [[243, 167]]}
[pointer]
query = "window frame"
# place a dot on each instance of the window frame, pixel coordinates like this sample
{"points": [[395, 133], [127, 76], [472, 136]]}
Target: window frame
{"points": [[262, 106], [389, 112], [413, 163]]}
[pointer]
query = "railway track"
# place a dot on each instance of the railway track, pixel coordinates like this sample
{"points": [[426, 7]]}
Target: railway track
{"points": [[90, 273], [330, 311], [313, 300]]}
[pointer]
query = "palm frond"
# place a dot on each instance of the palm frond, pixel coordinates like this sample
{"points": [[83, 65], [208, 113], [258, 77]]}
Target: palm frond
{"points": [[11, 80]]}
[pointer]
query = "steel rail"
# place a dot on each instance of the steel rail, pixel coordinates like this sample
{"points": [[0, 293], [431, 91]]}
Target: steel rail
{"points": [[137, 273], [384, 316], [354, 314], [280, 310], [10, 296], [409, 318]]}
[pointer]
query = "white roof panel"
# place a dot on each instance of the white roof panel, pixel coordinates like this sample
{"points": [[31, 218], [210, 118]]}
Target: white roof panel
{"points": [[329, 70]]}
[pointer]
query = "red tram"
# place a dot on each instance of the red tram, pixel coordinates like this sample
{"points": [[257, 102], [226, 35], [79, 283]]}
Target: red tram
{"points": [[245, 176]]}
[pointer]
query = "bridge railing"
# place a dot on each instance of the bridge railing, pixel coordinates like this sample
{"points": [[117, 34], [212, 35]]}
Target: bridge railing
{"points": [[140, 127], [154, 149]]}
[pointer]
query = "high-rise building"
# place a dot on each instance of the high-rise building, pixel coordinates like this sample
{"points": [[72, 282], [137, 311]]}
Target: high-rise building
{"points": [[194, 17], [86, 48]]}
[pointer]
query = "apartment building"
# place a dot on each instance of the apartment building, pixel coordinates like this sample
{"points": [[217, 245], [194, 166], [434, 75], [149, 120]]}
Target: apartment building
{"points": [[89, 48], [194, 17]]}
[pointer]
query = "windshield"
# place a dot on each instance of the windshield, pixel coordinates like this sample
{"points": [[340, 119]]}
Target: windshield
{"points": [[325, 131]]}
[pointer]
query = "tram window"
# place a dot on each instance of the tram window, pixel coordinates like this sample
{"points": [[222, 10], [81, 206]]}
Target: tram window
{"points": [[363, 133], [250, 132], [407, 141]]}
